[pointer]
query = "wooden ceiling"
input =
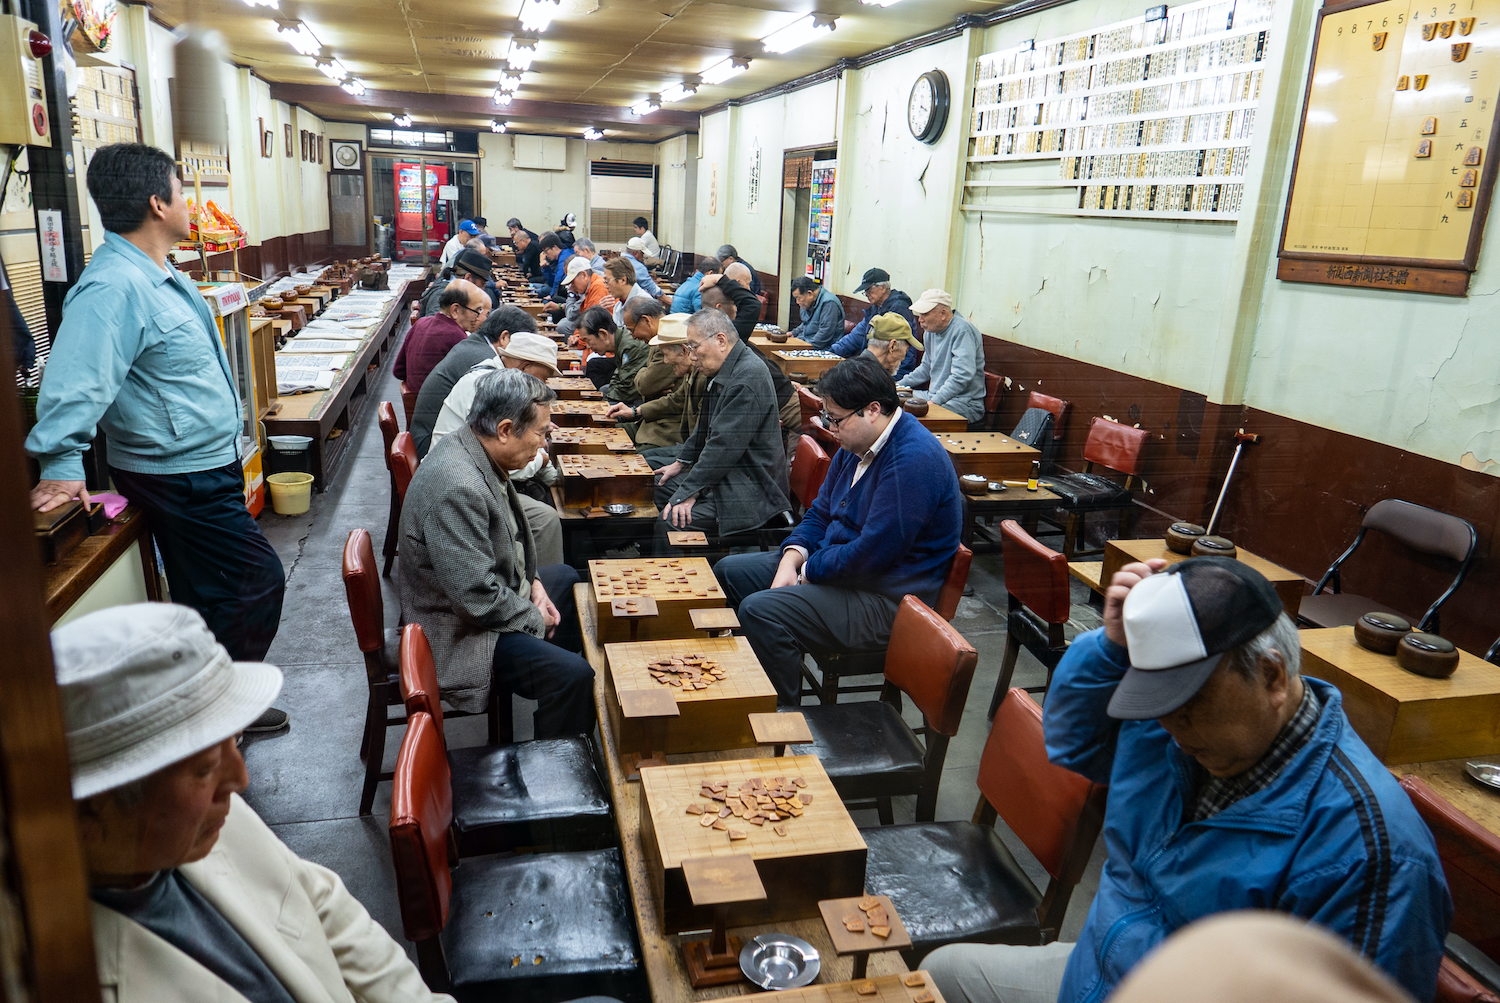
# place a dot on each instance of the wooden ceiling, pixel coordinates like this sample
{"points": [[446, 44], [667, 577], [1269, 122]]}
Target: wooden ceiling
{"points": [[596, 59]]}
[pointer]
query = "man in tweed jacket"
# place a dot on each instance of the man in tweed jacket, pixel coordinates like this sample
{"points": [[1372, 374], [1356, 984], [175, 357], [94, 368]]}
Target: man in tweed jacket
{"points": [[468, 566]]}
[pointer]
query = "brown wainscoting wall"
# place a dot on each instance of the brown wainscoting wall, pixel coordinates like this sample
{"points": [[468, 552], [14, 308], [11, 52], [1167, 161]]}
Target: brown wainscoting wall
{"points": [[1298, 495], [277, 256]]}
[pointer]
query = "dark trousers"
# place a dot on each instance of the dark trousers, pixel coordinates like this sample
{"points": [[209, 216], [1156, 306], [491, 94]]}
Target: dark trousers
{"points": [[217, 559], [705, 518], [551, 672], [600, 369], [784, 624]]}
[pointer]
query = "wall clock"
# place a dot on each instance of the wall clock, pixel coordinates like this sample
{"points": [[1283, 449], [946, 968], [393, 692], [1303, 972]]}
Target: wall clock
{"points": [[927, 107]]}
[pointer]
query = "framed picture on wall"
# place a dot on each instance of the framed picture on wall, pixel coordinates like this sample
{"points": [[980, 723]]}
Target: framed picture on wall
{"points": [[267, 143], [320, 149], [287, 128], [303, 134]]}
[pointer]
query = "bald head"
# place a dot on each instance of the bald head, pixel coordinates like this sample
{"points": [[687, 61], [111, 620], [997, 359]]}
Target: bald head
{"points": [[739, 272]]}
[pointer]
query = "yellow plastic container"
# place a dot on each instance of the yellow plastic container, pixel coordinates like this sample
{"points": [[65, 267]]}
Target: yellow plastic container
{"points": [[290, 493]]}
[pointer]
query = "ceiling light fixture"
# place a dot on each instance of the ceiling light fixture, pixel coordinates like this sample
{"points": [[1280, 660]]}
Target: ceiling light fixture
{"points": [[332, 69], [645, 106], [521, 53], [497, 126], [300, 37], [592, 135], [354, 86], [273, 4], [536, 15], [724, 70], [880, 3], [502, 99], [798, 33], [677, 92], [404, 121], [510, 82]]}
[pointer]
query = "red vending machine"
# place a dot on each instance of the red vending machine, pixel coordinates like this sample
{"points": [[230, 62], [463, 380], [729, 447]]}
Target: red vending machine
{"points": [[410, 206]]}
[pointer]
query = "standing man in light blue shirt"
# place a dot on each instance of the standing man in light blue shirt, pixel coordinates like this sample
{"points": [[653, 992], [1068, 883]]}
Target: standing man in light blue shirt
{"points": [[952, 369], [138, 356]]}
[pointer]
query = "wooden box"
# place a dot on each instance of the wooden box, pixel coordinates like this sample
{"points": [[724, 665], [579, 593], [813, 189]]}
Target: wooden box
{"points": [[1404, 717], [581, 414], [993, 454], [1118, 553], [589, 479], [708, 720], [940, 419], [679, 585], [822, 855], [590, 440], [61, 530], [573, 388]]}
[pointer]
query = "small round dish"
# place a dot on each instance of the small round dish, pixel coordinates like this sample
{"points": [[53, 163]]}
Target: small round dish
{"points": [[620, 508], [1380, 632], [1484, 773], [1427, 655], [1181, 535], [780, 961], [1213, 546], [997, 486]]}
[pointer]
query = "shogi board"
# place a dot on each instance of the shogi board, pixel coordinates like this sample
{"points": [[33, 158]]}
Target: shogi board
{"points": [[580, 414], [590, 479], [1404, 717], [591, 440], [888, 989], [822, 855], [627, 577], [708, 720], [572, 388], [1118, 553], [993, 454]]}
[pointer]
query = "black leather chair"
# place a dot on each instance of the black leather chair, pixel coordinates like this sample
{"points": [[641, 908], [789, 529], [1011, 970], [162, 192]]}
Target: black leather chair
{"points": [[1114, 447], [532, 928], [545, 794], [954, 882]]}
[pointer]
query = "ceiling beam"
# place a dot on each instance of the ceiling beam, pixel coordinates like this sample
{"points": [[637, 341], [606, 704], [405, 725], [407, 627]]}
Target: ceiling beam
{"points": [[414, 102]]}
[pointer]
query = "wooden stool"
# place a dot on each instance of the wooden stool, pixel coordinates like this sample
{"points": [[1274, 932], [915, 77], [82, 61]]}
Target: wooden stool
{"points": [[719, 882], [850, 924], [781, 730], [713, 620]]}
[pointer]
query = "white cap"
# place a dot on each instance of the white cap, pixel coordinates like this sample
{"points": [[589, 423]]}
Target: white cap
{"points": [[529, 347], [930, 299], [577, 265], [635, 244]]}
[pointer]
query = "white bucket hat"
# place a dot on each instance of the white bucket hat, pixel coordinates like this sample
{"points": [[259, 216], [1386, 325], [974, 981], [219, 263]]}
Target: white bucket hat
{"points": [[145, 686], [529, 347]]}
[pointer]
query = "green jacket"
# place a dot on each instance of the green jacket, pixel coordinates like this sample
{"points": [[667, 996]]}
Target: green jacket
{"points": [[670, 419], [630, 358]]}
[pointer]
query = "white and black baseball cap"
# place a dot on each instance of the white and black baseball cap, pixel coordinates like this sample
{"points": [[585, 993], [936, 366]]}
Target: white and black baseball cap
{"points": [[1178, 624]]}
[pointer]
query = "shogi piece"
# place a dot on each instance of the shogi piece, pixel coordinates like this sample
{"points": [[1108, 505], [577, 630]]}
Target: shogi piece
{"points": [[572, 388], [589, 480], [679, 585], [580, 414], [1118, 553], [822, 855], [591, 440], [708, 719], [1404, 717], [991, 454]]}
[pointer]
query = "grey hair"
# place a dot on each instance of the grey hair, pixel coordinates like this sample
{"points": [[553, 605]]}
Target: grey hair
{"points": [[1281, 637], [711, 322], [585, 244], [641, 306], [506, 317], [507, 394], [726, 251]]}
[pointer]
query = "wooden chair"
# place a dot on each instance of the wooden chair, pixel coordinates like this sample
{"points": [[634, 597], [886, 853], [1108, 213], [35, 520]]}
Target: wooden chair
{"points": [[545, 794], [403, 462], [836, 665], [809, 469], [386, 413], [1471, 862], [1116, 448], [994, 390], [1423, 529], [409, 402], [955, 881], [1036, 586], [869, 752], [569, 911]]}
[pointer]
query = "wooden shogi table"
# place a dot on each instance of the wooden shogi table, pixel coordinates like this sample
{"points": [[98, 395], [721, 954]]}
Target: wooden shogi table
{"points": [[1447, 777], [807, 369], [1404, 717], [573, 388], [589, 479], [590, 440], [678, 585], [765, 344], [992, 454], [708, 720], [580, 413], [1117, 553], [888, 989], [939, 419], [665, 971]]}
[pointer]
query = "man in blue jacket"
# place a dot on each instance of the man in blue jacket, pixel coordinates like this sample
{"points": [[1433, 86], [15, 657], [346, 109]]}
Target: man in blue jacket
{"points": [[1234, 784], [885, 524], [689, 298], [822, 313], [876, 285], [138, 357]]}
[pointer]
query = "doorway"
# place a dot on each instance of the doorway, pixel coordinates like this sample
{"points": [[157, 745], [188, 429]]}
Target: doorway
{"points": [[797, 255], [417, 202]]}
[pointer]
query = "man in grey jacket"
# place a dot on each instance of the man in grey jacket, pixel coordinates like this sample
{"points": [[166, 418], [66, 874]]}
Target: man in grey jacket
{"points": [[731, 476], [822, 314], [952, 369], [469, 570]]}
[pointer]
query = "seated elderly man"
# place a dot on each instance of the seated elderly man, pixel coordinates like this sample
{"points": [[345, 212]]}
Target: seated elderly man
{"points": [[730, 294], [635, 254], [822, 313], [893, 345], [1234, 783], [603, 339], [952, 369], [469, 266], [876, 285], [485, 343], [886, 524], [619, 280], [727, 256], [462, 308], [687, 298], [586, 289], [662, 423], [731, 476], [194, 897], [469, 571]]}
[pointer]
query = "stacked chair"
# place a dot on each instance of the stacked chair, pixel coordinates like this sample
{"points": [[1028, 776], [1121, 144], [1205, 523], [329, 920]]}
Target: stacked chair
{"points": [[1111, 447]]}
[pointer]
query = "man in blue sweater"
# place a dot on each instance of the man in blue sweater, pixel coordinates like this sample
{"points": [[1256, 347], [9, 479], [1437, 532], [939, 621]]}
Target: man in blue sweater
{"points": [[885, 524], [1234, 783]]}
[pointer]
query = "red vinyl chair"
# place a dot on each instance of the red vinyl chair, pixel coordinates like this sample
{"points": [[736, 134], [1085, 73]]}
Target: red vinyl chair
{"points": [[1116, 448], [994, 390], [812, 406], [569, 912], [955, 882], [1471, 862], [386, 414], [408, 402], [1036, 586], [507, 795], [868, 751], [403, 462]]}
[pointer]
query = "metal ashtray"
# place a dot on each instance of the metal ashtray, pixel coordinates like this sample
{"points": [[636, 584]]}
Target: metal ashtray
{"points": [[1486, 773], [620, 508], [997, 486], [780, 961]]}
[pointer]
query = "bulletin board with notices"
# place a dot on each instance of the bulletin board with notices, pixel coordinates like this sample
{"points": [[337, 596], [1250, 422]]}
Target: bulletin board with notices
{"points": [[1394, 171]]}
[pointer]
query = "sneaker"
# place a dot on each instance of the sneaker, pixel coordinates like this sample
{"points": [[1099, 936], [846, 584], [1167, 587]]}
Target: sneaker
{"points": [[271, 720]]}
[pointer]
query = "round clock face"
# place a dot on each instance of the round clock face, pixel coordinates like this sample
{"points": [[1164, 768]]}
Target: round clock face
{"points": [[927, 108], [347, 156]]}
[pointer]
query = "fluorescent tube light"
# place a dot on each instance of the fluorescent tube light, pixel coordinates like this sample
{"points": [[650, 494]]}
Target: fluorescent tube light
{"points": [[796, 34]]}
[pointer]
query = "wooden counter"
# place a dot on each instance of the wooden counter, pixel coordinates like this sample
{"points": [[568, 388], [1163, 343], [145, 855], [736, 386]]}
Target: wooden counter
{"points": [[765, 344], [66, 581], [660, 954], [1288, 584], [1448, 778]]}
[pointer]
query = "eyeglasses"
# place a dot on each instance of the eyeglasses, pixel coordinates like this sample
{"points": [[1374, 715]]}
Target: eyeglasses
{"points": [[472, 310], [693, 346], [834, 423]]}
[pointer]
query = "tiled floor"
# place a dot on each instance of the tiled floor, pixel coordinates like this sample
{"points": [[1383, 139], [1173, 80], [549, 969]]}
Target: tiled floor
{"points": [[305, 782]]}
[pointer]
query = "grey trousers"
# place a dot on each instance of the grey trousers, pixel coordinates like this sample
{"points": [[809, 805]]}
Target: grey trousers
{"points": [[998, 973], [546, 530]]}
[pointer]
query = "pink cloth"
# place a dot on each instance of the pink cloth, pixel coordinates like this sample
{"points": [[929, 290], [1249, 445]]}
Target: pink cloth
{"points": [[113, 504]]}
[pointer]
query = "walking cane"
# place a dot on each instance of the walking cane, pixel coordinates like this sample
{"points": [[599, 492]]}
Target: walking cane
{"points": [[1242, 439]]}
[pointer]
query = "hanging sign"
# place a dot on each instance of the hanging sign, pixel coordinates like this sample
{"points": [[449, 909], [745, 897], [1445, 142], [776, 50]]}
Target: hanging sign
{"points": [[54, 262]]}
